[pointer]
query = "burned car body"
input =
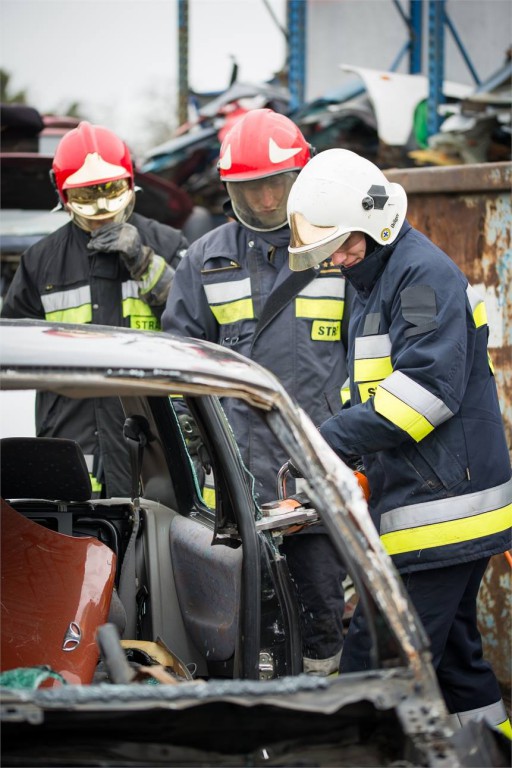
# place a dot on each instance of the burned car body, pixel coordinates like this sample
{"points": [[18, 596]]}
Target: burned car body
{"points": [[207, 583]]}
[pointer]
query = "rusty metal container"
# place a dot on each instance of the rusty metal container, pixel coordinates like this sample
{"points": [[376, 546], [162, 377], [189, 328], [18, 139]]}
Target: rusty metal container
{"points": [[467, 211]]}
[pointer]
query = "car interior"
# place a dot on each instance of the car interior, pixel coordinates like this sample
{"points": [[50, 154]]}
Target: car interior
{"points": [[193, 578]]}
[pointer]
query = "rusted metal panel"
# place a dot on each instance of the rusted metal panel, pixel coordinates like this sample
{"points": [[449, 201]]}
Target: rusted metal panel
{"points": [[495, 617], [466, 210]]}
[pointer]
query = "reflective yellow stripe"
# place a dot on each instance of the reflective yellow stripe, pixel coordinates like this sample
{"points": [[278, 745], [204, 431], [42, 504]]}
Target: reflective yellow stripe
{"points": [[480, 315], [449, 532], [325, 309], [233, 311], [401, 414], [133, 306], [505, 728], [367, 389], [344, 395], [375, 369], [81, 314], [477, 305], [209, 497], [491, 365], [96, 486]]}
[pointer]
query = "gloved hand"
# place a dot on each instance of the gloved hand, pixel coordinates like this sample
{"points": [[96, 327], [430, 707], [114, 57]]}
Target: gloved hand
{"points": [[124, 239]]}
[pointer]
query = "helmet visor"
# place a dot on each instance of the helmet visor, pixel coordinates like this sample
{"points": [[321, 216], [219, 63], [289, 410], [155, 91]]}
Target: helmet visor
{"points": [[311, 244], [260, 204], [100, 200]]}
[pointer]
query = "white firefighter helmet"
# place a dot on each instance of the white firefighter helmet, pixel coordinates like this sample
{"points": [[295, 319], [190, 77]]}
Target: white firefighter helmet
{"points": [[339, 192]]}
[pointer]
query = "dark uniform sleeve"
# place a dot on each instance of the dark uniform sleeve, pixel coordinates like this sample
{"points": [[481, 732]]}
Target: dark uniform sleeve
{"points": [[430, 357], [165, 248], [23, 298], [187, 311]]}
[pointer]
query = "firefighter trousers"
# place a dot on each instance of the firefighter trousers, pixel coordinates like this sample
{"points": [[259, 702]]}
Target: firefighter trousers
{"points": [[446, 602], [317, 573]]}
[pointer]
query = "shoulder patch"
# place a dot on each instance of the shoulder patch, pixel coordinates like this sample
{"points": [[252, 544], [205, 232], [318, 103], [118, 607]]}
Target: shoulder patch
{"points": [[419, 309]]}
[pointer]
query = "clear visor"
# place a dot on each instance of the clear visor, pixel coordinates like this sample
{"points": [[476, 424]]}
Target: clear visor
{"points": [[100, 200], [260, 204], [311, 244]]}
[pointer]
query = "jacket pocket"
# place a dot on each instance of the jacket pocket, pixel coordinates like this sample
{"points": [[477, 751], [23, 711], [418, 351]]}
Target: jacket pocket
{"points": [[437, 465]]}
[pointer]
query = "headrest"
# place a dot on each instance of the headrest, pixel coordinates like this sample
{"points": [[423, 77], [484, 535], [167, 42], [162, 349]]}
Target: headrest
{"points": [[43, 468]]}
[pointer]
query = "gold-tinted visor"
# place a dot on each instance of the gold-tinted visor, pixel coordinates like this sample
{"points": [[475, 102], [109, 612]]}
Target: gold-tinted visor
{"points": [[311, 244], [95, 199]]}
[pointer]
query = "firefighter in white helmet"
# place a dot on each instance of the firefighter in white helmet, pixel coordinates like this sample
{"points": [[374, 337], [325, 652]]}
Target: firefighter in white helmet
{"points": [[424, 414]]}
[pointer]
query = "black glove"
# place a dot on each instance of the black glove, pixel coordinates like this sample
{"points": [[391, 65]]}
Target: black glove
{"points": [[123, 239]]}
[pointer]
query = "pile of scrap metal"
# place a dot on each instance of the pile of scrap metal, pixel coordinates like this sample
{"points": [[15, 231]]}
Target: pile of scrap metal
{"points": [[379, 114], [478, 128]]}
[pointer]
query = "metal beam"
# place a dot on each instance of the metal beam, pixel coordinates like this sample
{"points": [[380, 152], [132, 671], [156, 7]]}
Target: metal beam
{"points": [[436, 18], [182, 61], [296, 24]]}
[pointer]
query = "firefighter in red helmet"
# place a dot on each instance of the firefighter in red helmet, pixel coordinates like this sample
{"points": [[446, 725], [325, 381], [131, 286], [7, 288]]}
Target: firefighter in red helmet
{"points": [[235, 288], [108, 266]]}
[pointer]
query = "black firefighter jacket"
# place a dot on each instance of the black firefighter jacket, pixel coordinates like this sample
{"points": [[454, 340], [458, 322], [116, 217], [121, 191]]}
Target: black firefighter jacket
{"points": [[222, 292], [60, 280], [424, 411]]}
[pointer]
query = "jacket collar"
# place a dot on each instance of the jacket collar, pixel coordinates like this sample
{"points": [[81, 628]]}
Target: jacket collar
{"points": [[364, 275]]}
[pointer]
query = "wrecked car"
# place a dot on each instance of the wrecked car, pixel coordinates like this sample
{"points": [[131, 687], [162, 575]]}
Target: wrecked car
{"points": [[204, 667]]}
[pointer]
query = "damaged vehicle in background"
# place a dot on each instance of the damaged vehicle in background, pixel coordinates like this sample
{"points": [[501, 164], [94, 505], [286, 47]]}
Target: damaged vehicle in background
{"points": [[208, 670]]}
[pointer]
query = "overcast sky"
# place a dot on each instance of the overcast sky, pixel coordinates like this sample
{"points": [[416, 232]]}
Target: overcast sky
{"points": [[119, 57]]}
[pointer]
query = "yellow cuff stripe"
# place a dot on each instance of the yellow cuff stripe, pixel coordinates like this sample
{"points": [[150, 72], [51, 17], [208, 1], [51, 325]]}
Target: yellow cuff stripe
{"points": [[405, 417], [449, 532]]}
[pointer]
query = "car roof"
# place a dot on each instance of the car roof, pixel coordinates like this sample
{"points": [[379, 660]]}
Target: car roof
{"points": [[146, 362]]}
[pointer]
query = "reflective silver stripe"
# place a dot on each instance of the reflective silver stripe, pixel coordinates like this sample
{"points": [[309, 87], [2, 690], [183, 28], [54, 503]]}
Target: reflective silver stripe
{"points": [[325, 287], [130, 289], [474, 297], [417, 397], [495, 714], [89, 460], [75, 297], [444, 510], [220, 293], [153, 274], [372, 346]]}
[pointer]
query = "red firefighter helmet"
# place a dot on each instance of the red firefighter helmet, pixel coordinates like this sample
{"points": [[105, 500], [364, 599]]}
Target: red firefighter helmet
{"points": [[93, 173], [260, 145]]}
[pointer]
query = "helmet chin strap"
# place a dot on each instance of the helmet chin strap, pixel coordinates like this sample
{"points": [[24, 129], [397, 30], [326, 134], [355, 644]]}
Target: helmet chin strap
{"points": [[119, 218]]}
